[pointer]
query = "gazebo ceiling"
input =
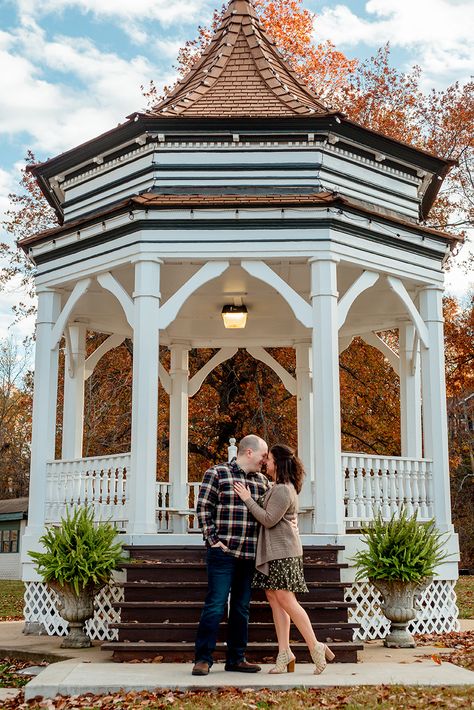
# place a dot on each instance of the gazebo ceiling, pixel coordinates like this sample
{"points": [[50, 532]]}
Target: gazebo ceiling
{"points": [[270, 319]]}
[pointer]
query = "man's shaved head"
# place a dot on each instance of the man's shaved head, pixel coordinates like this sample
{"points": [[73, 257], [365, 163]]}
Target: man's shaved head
{"points": [[251, 441]]}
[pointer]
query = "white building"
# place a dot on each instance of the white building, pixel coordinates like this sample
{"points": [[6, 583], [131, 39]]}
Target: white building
{"points": [[242, 185]]}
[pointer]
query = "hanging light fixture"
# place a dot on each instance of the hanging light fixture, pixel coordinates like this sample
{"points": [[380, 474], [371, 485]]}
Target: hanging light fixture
{"points": [[234, 316]]}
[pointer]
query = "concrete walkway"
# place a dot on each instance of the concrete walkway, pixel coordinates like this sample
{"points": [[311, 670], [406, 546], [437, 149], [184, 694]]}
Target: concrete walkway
{"points": [[77, 671]]}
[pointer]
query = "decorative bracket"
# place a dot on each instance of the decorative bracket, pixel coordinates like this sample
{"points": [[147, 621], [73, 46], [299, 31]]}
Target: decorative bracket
{"points": [[169, 310], [300, 307], [374, 340], [261, 354], [113, 341], [111, 284], [79, 290], [196, 380], [398, 287], [366, 280]]}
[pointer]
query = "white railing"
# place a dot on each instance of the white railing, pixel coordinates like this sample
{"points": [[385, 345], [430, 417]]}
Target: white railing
{"points": [[165, 512], [98, 481], [372, 484], [384, 484], [162, 506]]}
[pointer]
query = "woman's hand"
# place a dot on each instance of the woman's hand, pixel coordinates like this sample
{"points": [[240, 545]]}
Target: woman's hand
{"points": [[242, 491]]}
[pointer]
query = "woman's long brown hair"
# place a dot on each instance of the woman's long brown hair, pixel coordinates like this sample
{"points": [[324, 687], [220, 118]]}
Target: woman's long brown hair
{"points": [[288, 466]]}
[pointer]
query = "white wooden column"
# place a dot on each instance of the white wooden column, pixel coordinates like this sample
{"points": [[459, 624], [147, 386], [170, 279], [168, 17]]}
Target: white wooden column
{"points": [[329, 493], [178, 452], [142, 483], [304, 413], [74, 377], [435, 425], [410, 392], [44, 414]]}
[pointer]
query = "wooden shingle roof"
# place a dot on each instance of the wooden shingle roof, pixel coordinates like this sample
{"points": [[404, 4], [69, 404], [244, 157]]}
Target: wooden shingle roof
{"points": [[240, 73]]}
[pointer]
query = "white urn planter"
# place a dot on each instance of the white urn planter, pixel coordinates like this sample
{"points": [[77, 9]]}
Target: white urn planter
{"points": [[76, 609], [398, 605]]}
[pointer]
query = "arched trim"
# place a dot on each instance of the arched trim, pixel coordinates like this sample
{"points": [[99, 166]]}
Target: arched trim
{"points": [[113, 341], [196, 381], [374, 340], [398, 287], [301, 309], [111, 284], [165, 378], [79, 290], [366, 280], [169, 310], [261, 354]]}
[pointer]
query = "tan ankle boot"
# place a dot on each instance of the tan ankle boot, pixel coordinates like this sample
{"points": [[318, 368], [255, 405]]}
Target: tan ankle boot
{"points": [[285, 663], [320, 655]]}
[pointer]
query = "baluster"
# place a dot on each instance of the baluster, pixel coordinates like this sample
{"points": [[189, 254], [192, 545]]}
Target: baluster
{"points": [[376, 487], [385, 489], [429, 488], [359, 481], [415, 493], [368, 502], [124, 492], [350, 491], [421, 476], [393, 486], [160, 506], [401, 484]]}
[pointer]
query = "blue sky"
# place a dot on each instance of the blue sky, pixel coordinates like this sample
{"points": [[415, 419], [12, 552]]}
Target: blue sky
{"points": [[71, 69]]}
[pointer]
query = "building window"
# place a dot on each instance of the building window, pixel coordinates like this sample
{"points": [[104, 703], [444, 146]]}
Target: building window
{"points": [[9, 537]]}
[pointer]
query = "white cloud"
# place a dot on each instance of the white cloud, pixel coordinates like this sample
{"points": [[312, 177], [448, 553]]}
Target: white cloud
{"points": [[459, 281], [133, 16], [98, 91], [437, 33]]}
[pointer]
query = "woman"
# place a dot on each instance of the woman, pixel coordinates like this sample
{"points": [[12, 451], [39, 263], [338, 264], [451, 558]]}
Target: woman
{"points": [[279, 561]]}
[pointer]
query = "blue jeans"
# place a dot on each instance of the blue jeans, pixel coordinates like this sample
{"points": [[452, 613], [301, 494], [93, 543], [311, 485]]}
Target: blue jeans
{"points": [[225, 575]]}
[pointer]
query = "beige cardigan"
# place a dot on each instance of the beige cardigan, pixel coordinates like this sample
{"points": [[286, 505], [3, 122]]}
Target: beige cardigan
{"points": [[277, 539]]}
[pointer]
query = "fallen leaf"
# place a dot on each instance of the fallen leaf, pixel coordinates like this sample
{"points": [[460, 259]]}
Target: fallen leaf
{"points": [[436, 659]]}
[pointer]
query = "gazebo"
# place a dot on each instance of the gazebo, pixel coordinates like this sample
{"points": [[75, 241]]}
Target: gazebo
{"points": [[241, 188]]}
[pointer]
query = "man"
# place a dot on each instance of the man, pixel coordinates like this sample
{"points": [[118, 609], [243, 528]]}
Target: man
{"points": [[230, 533]]}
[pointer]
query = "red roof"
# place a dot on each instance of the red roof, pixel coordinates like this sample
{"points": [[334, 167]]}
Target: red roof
{"points": [[240, 73], [156, 201]]}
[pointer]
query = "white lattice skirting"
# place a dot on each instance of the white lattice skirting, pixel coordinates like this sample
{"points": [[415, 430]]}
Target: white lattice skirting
{"points": [[40, 606], [437, 610]]}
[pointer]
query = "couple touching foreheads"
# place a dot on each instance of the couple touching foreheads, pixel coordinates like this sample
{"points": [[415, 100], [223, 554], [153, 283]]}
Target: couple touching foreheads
{"points": [[249, 524]]}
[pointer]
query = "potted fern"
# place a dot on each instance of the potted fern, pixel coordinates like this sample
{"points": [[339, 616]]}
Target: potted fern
{"points": [[399, 560], [78, 560]]}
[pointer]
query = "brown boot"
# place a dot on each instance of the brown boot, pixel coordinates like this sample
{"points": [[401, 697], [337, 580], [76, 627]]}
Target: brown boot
{"points": [[201, 668]]}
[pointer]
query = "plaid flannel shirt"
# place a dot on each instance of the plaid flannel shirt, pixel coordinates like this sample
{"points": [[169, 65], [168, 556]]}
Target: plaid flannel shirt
{"points": [[222, 515]]}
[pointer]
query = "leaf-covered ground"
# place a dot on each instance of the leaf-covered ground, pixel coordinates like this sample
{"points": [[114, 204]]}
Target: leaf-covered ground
{"points": [[11, 599], [365, 698], [465, 594], [9, 676], [461, 642]]}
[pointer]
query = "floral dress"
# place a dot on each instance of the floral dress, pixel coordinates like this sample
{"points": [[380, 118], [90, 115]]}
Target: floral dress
{"points": [[287, 573]]}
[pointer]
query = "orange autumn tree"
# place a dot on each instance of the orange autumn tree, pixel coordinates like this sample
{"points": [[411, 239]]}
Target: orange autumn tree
{"points": [[242, 394]]}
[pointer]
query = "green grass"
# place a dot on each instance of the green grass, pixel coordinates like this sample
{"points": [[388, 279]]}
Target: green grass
{"points": [[11, 599], [8, 673], [465, 594]]}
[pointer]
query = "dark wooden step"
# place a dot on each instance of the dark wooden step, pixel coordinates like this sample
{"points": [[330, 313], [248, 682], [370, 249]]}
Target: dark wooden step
{"points": [[166, 612], [258, 632], [196, 591], [259, 652], [157, 571], [173, 553]]}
